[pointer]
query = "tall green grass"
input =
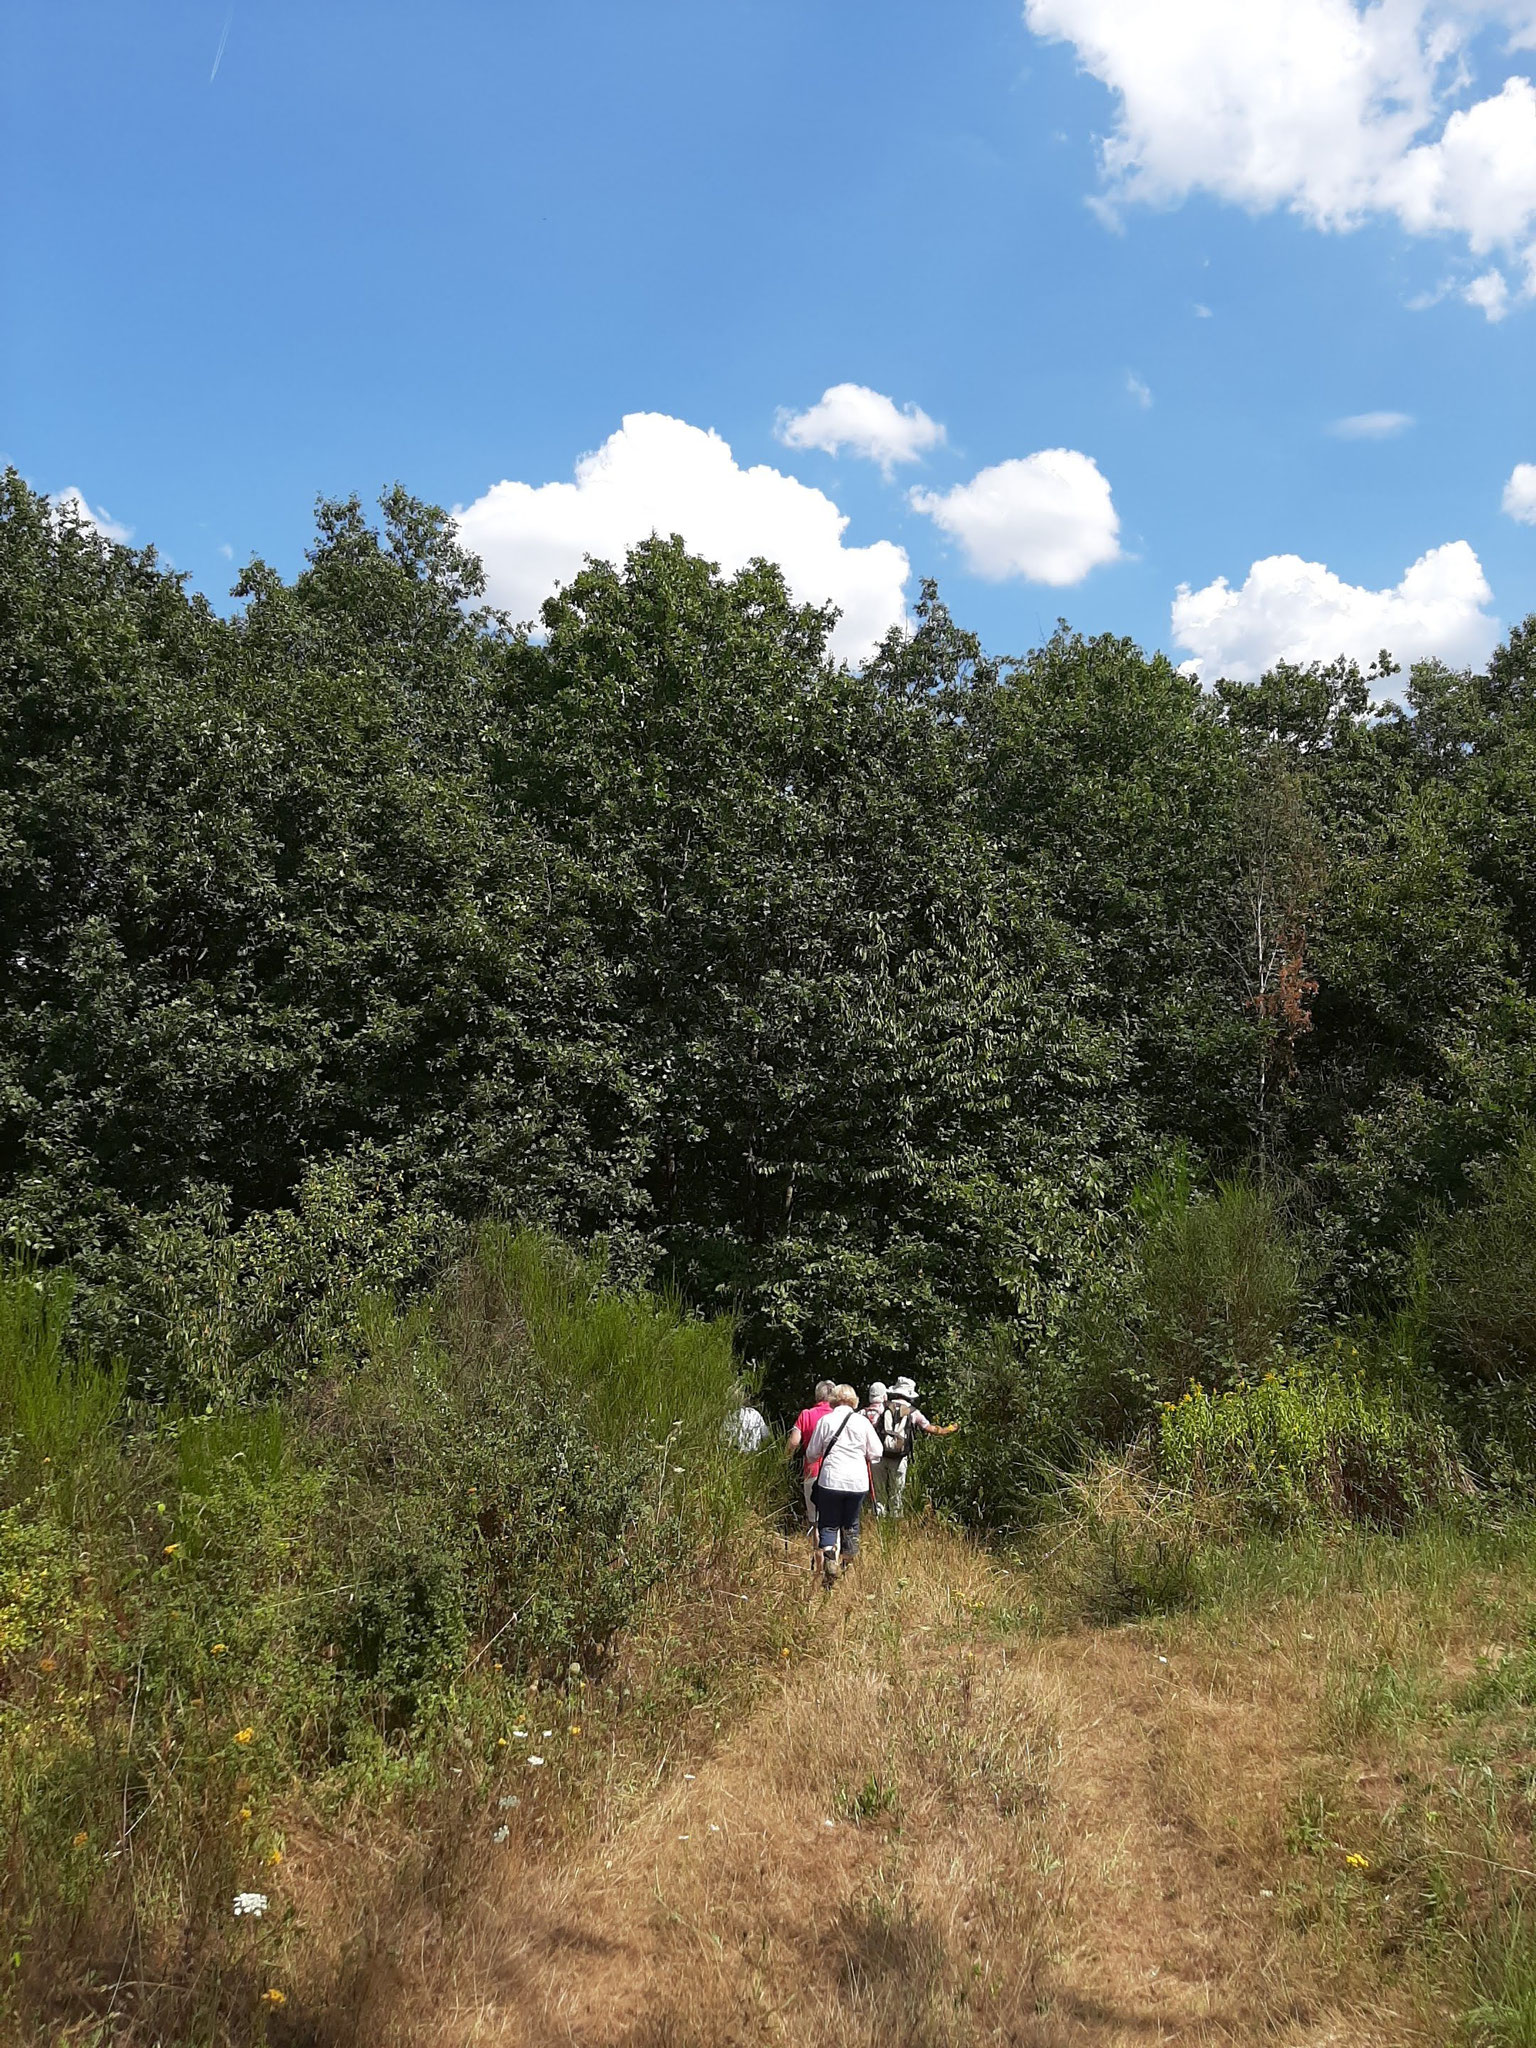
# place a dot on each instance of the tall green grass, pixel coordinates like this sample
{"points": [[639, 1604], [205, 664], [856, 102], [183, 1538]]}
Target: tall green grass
{"points": [[641, 1359], [57, 1407], [640, 1366]]}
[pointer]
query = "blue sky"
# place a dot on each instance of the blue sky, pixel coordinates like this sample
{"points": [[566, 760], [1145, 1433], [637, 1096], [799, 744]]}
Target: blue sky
{"points": [[1179, 240]]}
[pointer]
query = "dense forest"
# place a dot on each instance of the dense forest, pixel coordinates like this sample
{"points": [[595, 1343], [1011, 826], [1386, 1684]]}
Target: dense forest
{"points": [[441, 1061], [887, 1010]]}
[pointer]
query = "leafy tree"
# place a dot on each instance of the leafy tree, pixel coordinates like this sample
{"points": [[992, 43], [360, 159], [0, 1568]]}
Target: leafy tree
{"points": [[856, 1001]]}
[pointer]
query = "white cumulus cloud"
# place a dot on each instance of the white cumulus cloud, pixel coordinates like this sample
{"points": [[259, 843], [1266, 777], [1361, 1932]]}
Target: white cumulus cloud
{"points": [[1336, 110], [1372, 426], [1489, 292], [661, 475], [1519, 499], [1290, 610], [94, 516], [864, 422], [1048, 518]]}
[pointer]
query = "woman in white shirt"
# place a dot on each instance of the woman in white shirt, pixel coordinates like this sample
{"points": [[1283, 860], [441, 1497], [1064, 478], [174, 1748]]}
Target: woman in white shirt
{"points": [[845, 1448]]}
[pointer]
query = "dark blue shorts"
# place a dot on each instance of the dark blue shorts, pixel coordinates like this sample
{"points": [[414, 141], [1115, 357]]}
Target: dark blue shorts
{"points": [[838, 1513]]}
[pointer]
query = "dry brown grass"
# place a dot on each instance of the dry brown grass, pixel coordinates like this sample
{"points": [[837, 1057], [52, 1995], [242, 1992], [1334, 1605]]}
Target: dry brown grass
{"points": [[932, 1829], [865, 1857], [935, 1824]]}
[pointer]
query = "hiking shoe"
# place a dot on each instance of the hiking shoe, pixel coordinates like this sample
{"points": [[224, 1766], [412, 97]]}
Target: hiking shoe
{"points": [[829, 1568]]}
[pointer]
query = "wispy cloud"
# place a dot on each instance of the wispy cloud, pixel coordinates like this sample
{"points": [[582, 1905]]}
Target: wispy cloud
{"points": [[1371, 426], [218, 55], [1139, 389]]}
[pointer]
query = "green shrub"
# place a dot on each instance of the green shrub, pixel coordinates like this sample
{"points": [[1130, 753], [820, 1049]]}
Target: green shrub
{"points": [[1220, 1281], [471, 1483], [1208, 1292], [1017, 1406], [322, 1595], [1116, 1547], [1309, 1444], [212, 1314], [1480, 1296], [56, 1405]]}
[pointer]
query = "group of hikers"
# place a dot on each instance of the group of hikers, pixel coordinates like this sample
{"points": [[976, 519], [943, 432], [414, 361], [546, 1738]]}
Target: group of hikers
{"points": [[848, 1455]]}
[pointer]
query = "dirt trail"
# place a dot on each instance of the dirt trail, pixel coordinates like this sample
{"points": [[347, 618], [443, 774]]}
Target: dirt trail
{"points": [[931, 1830]]}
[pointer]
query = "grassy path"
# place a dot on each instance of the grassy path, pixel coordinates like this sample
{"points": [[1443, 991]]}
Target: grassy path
{"points": [[939, 1826]]}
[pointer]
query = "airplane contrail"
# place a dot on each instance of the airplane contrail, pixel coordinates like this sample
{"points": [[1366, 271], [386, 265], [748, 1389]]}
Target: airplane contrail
{"points": [[218, 55]]}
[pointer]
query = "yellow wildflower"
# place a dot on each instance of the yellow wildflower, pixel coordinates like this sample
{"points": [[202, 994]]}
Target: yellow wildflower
{"points": [[47, 1664], [219, 1649], [274, 1857], [81, 1839], [1357, 1862], [272, 1996], [171, 1549], [574, 1729], [245, 1735], [245, 1813]]}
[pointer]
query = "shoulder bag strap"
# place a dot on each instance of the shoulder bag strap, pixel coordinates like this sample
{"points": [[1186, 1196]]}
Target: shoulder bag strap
{"points": [[832, 1440]]}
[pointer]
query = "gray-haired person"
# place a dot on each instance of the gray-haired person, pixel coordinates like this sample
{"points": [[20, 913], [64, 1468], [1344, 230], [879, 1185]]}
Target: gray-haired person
{"points": [[799, 1442], [874, 1409]]}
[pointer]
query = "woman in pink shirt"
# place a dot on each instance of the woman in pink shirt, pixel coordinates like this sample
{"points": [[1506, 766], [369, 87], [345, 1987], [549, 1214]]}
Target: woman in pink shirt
{"points": [[800, 1436]]}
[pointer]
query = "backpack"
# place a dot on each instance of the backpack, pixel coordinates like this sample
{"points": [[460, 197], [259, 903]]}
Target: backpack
{"points": [[898, 1432]]}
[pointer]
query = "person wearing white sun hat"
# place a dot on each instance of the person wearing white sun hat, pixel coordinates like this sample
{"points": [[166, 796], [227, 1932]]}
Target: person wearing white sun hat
{"points": [[899, 1427]]}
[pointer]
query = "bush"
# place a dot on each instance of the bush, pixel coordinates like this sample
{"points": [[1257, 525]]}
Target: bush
{"points": [[1208, 1293], [1481, 1280], [1220, 1281], [1118, 1547], [1306, 1445], [320, 1597], [1014, 1407], [211, 1314], [479, 1495], [55, 1404]]}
